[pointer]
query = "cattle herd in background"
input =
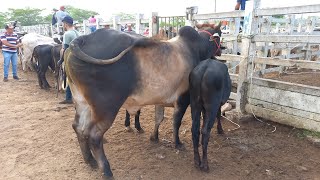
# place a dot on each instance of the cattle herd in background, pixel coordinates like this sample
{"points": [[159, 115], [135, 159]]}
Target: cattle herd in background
{"points": [[109, 69]]}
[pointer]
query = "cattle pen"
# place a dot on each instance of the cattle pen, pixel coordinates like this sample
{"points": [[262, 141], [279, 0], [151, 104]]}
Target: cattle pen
{"points": [[267, 44], [263, 35], [288, 103], [38, 142]]}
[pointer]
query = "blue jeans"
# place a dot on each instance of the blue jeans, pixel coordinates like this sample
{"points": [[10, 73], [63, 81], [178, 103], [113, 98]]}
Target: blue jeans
{"points": [[13, 57], [93, 29], [68, 94]]}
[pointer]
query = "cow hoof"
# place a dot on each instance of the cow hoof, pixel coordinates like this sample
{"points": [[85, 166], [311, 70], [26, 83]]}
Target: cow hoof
{"points": [[108, 178], [197, 164], [154, 139], [140, 131], [204, 168], [180, 146], [46, 87], [221, 132], [129, 129]]}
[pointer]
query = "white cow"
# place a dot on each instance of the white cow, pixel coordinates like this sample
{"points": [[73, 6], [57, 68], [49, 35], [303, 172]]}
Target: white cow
{"points": [[29, 42]]}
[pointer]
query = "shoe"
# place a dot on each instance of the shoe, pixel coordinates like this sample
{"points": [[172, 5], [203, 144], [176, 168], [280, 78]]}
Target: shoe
{"points": [[16, 77], [66, 102], [5, 79]]}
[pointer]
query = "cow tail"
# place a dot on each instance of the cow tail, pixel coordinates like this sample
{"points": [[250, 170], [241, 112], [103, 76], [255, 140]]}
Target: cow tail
{"points": [[74, 46], [34, 65]]}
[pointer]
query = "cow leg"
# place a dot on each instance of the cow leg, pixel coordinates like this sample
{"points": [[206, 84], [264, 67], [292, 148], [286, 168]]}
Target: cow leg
{"points": [[219, 126], [39, 79], [82, 124], [195, 113], [211, 114], [159, 117], [81, 127], [127, 122], [179, 110], [137, 122], [45, 84], [43, 71], [96, 144]]}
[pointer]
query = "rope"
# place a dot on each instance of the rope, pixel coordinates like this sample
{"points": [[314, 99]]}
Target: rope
{"points": [[250, 91], [232, 123], [240, 36]]}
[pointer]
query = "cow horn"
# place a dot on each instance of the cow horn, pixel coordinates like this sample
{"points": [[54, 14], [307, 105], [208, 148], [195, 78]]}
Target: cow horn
{"points": [[85, 57]]}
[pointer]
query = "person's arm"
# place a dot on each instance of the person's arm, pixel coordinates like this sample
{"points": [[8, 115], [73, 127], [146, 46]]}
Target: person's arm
{"points": [[6, 43], [237, 7]]}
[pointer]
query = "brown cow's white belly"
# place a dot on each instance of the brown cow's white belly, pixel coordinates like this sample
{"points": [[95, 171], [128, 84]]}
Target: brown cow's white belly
{"points": [[163, 80]]}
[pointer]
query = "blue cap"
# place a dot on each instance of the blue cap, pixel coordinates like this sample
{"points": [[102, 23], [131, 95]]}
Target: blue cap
{"points": [[68, 20]]}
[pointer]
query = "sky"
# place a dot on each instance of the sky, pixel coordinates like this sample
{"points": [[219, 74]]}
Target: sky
{"points": [[164, 7]]}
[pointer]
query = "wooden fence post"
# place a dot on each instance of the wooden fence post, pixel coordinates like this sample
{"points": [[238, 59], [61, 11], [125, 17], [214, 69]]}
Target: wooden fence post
{"points": [[153, 24], [97, 23], [236, 25], [138, 26], [310, 27], [84, 27], [248, 51], [115, 22]]}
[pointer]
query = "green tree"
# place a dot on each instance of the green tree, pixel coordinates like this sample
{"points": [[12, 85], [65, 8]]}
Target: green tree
{"points": [[79, 14], [48, 18], [27, 16], [3, 20], [278, 16], [125, 16], [174, 22]]}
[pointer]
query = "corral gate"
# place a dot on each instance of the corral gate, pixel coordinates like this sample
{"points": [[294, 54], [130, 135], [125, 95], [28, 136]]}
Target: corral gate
{"points": [[170, 25]]}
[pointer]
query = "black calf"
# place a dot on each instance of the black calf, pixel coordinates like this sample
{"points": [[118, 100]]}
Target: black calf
{"points": [[210, 88], [44, 58], [136, 122]]}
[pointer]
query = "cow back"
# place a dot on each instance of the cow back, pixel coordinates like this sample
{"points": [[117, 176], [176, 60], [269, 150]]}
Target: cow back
{"points": [[105, 44]]}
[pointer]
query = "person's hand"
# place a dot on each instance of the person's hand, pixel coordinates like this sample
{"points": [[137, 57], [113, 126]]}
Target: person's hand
{"points": [[19, 45]]}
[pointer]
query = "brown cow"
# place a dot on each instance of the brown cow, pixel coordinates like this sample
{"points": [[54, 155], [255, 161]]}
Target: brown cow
{"points": [[110, 69]]}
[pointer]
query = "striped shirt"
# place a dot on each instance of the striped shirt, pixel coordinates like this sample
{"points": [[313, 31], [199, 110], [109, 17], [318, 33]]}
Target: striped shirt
{"points": [[12, 39]]}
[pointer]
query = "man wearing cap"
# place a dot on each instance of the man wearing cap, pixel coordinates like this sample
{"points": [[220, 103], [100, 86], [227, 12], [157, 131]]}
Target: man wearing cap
{"points": [[60, 15], [10, 44], [69, 35]]}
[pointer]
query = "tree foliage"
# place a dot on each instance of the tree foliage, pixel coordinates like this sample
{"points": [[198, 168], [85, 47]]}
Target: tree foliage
{"points": [[27, 16], [3, 20], [32, 16], [174, 22], [125, 16], [278, 16], [80, 14]]}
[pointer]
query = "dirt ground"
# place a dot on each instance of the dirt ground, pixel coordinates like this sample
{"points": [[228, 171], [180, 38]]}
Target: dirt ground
{"points": [[37, 142], [301, 76]]}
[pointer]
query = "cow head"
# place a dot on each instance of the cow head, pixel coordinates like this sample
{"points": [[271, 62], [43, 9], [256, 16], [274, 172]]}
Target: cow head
{"points": [[211, 34]]}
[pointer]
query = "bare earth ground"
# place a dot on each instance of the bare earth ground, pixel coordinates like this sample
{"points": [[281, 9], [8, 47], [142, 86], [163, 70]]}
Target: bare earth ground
{"points": [[302, 76], [37, 142]]}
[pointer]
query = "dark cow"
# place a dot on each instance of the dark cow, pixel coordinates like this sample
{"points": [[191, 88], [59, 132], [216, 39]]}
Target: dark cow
{"points": [[136, 122], [210, 88], [110, 69], [45, 56]]}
